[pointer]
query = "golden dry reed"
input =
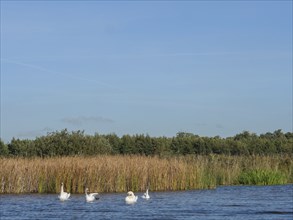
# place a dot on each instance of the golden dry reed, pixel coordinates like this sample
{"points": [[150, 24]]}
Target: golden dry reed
{"points": [[123, 173]]}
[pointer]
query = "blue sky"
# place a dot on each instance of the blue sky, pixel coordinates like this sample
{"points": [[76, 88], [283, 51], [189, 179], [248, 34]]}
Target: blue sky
{"points": [[209, 68]]}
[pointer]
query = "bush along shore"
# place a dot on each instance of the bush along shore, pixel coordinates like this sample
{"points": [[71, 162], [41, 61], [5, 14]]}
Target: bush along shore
{"points": [[65, 143], [120, 173]]}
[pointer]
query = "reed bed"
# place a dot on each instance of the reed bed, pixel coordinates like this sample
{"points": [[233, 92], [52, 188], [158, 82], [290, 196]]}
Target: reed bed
{"points": [[123, 173]]}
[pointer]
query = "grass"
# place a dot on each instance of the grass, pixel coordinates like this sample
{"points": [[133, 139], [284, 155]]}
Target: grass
{"points": [[262, 177], [123, 173]]}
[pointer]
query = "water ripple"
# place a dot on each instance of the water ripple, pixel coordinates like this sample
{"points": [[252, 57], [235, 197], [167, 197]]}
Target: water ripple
{"points": [[234, 202]]}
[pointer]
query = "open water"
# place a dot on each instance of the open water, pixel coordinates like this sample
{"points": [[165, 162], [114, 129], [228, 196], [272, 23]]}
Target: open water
{"points": [[227, 202]]}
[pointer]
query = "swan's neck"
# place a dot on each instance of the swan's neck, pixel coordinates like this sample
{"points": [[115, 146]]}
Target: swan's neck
{"points": [[62, 190]]}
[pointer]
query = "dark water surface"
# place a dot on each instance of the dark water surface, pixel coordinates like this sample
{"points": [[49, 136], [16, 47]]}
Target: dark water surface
{"points": [[229, 202]]}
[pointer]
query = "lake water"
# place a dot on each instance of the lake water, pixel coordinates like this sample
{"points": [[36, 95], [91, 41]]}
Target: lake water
{"points": [[227, 202]]}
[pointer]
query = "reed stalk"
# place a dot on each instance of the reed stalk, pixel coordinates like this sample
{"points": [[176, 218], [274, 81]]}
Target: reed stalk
{"points": [[123, 173]]}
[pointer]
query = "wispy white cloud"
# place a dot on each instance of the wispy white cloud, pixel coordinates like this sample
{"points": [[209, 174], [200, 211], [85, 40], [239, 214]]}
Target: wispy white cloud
{"points": [[34, 133], [200, 124], [58, 74], [180, 54], [4, 60], [220, 126], [86, 119]]}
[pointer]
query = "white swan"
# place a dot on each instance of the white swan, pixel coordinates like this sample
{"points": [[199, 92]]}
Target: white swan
{"points": [[130, 198], [63, 195], [91, 197], [146, 195]]}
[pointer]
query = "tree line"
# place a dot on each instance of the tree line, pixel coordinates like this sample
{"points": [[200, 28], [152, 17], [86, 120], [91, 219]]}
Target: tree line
{"points": [[65, 143]]}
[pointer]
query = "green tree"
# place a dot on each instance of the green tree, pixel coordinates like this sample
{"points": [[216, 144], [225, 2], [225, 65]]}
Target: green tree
{"points": [[161, 146], [115, 142], [3, 149], [19, 147], [127, 145]]}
